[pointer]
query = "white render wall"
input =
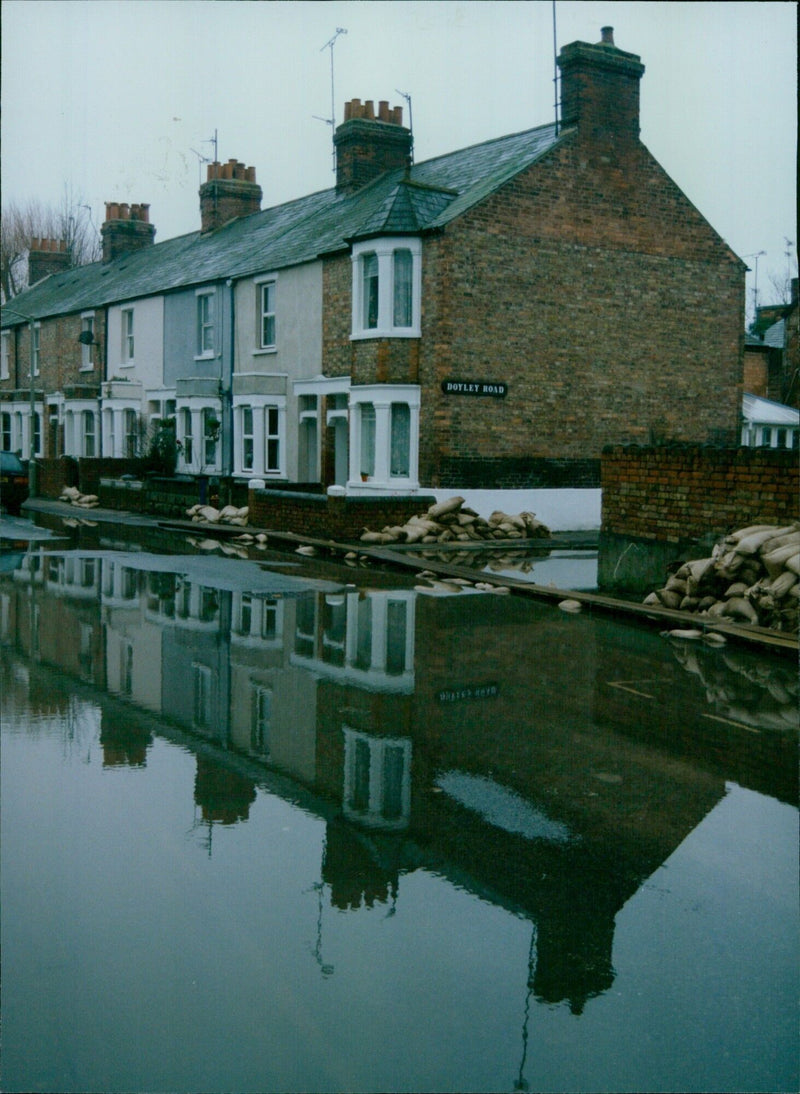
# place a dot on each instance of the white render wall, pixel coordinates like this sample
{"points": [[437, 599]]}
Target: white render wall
{"points": [[148, 333], [266, 376]]}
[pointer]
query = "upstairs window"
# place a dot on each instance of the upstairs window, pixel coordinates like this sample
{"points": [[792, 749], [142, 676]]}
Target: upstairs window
{"points": [[37, 330], [87, 348], [369, 268], [4, 360], [127, 336], [266, 337], [205, 324], [403, 268], [387, 287]]}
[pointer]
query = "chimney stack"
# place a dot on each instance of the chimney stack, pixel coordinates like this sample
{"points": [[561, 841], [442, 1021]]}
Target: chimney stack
{"points": [[230, 191], [600, 89], [126, 229], [47, 256], [367, 144]]}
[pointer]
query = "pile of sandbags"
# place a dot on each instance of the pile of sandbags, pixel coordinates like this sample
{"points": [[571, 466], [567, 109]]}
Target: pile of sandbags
{"points": [[208, 514], [73, 495], [752, 577], [452, 521]]}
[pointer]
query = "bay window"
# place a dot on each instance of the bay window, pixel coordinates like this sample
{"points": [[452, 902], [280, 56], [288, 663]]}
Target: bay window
{"points": [[384, 436], [272, 439], [247, 438], [387, 287]]}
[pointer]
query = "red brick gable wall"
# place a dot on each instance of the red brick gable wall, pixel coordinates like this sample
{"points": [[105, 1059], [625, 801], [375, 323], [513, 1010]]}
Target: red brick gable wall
{"points": [[600, 296]]}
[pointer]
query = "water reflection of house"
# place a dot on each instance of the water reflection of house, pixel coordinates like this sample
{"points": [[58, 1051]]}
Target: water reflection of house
{"points": [[68, 633], [133, 637], [542, 763]]}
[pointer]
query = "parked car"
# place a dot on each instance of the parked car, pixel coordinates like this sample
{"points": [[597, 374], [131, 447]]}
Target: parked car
{"points": [[13, 482]]}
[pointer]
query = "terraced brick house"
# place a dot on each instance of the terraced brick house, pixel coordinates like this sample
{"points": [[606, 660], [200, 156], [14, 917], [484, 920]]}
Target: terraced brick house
{"points": [[490, 318]]}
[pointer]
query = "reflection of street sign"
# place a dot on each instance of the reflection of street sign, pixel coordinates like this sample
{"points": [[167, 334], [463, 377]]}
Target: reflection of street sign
{"points": [[470, 691]]}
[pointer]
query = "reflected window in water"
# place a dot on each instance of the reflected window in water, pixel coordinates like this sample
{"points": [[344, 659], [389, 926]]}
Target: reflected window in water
{"points": [[201, 709], [377, 779], [396, 637], [334, 629], [261, 720], [126, 668], [305, 626], [269, 620]]}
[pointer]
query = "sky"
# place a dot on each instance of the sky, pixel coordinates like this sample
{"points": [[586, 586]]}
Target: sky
{"points": [[120, 100]]}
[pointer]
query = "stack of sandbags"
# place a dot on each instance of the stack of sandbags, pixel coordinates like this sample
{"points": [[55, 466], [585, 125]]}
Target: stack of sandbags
{"points": [[452, 521], [73, 495], [208, 514], [752, 576]]}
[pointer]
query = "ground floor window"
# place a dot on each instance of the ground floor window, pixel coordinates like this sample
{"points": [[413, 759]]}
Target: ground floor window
{"points": [[384, 436], [260, 443]]}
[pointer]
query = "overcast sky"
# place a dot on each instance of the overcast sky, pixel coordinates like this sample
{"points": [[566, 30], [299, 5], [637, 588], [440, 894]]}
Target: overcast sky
{"points": [[118, 97]]}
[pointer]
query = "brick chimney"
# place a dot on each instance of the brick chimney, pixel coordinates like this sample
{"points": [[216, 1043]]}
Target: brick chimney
{"points": [[230, 191], [47, 256], [126, 229], [367, 145], [600, 88]]}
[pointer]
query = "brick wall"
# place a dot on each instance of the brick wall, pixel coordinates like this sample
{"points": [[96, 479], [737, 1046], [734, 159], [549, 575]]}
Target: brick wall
{"points": [[673, 493], [592, 287], [60, 356], [339, 518]]}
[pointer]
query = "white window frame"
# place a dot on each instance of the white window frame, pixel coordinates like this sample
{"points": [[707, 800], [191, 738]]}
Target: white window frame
{"points": [[128, 336], [87, 351], [89, 417], [383, 397], [247, 437], [274, 435], [5, 358], [205, 324], [263, 285], [384, 250], [262, 407], [37, 348]]}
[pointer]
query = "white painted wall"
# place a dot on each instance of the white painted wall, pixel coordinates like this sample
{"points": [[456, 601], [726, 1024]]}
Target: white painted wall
{"points": [[148, 360]]}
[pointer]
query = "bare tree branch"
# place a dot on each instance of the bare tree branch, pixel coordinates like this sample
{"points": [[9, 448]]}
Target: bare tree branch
{"points": [[71, 221]]}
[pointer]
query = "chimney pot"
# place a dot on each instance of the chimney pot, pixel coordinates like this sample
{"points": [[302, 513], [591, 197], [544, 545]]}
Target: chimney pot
{"points": [[124, 211], [607, 36], [250, 174], [369, 110], [383, 110]]}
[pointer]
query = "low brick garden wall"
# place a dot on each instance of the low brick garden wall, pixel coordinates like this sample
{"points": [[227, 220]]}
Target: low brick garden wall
{"points": [[326, 516], [677, 492]]}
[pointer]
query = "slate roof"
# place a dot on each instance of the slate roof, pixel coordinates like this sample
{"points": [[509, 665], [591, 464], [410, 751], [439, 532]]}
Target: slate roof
{"points": [[426, 198]]}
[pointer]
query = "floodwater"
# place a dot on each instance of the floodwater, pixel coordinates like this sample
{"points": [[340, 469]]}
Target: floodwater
{"points": [[271, 824]]}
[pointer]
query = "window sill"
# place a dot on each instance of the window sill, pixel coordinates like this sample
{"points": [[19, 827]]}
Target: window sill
{"points": [[205, 356], [397, 332], [262, 351]]}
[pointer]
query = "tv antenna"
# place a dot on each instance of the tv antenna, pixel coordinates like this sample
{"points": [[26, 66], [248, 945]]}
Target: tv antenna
{"points": [[331, 121], [405, 95], [201, 159]]}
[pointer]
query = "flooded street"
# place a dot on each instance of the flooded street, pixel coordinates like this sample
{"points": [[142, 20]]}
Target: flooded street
{"points": [[271, 823]]}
